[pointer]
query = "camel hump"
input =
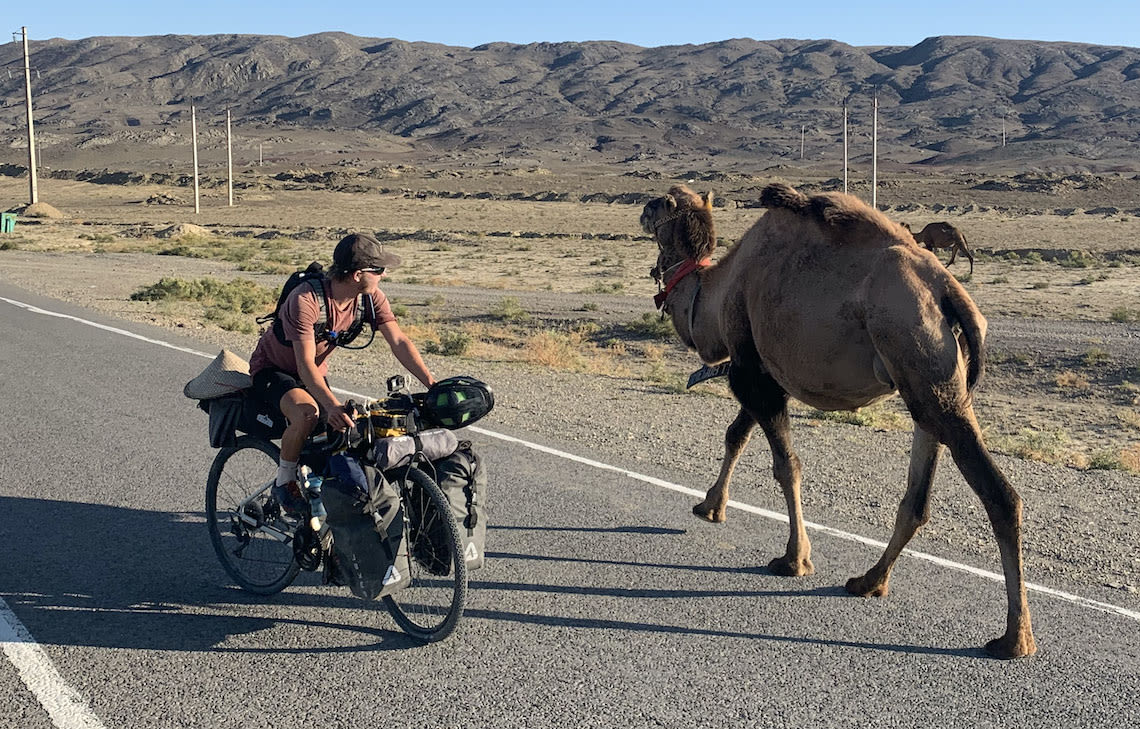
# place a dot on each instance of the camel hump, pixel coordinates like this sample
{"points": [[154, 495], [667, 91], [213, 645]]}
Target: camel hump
{"points": [[831, 210], [779, 195]]}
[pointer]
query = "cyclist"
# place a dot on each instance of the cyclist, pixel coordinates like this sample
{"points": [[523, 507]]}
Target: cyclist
{"points": [[293, 374]]}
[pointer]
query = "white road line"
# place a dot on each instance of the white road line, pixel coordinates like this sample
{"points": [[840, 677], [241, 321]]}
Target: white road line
{"points": [[68, 711], [776, 516], [63, 704], [766, 513]]}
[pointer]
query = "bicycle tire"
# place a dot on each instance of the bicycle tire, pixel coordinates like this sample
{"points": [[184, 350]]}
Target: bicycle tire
{"points": [[430, 606], [258, 556]]}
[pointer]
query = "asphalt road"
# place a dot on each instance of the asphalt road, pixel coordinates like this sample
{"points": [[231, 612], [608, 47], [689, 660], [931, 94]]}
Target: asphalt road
{"points": [[600, 605]]}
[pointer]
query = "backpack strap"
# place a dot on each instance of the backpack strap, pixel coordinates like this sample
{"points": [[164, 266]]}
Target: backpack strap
{"points": [[365, 311], [323, 325]]}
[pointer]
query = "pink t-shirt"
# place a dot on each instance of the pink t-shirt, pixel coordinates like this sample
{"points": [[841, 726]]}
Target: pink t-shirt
{"points": [[299, 314]]}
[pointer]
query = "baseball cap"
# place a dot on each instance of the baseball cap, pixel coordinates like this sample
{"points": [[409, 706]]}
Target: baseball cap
{"points": [[360, 250]]}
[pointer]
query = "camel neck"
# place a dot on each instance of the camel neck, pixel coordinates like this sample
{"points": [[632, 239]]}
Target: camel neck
{"points": [[694, 310]]}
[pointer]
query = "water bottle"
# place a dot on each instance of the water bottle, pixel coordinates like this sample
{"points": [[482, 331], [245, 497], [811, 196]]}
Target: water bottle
{"points": [[317, 509]]}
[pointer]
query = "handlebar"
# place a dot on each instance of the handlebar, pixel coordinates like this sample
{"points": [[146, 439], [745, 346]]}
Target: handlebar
{"points": [[396, 414]]}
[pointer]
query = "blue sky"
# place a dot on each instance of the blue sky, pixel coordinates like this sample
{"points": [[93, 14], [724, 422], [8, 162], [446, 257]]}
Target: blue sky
{"points": [[641, 22]]}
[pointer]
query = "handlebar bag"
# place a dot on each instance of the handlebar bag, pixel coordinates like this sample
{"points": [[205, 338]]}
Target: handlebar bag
{"points": [[367, 524]]}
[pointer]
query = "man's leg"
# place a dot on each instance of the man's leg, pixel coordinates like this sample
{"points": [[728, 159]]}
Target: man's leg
{"points": [[301, 412]]}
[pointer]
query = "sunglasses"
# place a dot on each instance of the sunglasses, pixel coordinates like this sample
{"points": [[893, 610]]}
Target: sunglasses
{"points": [[377, 271]]}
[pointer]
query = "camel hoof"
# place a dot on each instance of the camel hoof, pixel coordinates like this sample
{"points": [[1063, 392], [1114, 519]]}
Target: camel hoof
{"points": [[864, 587], [716, 516], [786, 567], [1009, 647]]}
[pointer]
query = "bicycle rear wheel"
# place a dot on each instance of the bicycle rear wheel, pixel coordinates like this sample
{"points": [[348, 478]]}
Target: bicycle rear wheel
{"points": [[249, 531], [430, 606]]}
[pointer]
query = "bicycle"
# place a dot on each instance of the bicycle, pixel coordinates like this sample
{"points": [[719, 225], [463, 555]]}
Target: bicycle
{"points": [[263, 549]]}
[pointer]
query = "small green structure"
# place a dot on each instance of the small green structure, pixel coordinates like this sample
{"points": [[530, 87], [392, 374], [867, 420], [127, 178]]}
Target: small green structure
{"points": [[7, 222]]}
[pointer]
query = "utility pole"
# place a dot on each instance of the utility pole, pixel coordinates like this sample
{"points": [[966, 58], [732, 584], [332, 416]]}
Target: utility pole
{"points": [[875, 156], [35, 193], [194, 136], [260, 159], [1003, 130], [844, 147], [803, 131], [229, 159]]}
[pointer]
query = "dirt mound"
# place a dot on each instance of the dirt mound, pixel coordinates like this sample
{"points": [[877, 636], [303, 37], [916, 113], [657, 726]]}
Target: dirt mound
{"points": [[183, 230], [42, 210]]}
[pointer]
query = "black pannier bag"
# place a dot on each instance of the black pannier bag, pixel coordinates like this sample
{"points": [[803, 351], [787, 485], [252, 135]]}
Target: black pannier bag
{"points": [[462, 477], [367, 524], [225, 414], [241, 412]]}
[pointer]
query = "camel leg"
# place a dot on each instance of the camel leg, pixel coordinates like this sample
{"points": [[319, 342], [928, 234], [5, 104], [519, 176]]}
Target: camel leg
{"points": [[971, 257], [1003, 505], [714, 506], [953, 255], [767, 403], [914, 511]]}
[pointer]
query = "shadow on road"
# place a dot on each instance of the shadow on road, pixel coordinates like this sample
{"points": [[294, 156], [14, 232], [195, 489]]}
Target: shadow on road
{"points": [[94, 575], [105, 576]]}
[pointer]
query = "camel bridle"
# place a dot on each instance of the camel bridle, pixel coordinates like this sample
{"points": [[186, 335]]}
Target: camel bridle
{"points": [[675, 273]]}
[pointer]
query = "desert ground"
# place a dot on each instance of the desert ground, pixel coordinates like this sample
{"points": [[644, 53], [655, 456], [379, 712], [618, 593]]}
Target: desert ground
{"points": [[531, 270]]}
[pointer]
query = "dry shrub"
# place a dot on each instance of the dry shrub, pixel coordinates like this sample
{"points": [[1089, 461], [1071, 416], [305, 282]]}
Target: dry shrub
{"points": [[1073, 380], [1130, 457], [653, 352], [422, 333], [553, 349], [1129, 418]]}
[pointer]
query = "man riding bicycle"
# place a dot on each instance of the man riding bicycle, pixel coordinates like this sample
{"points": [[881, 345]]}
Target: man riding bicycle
{"points": [[289, 365]]}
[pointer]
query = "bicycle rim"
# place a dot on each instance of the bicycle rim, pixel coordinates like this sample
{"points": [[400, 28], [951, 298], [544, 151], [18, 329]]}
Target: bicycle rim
{"points": [[430, 606], [252, 538]]}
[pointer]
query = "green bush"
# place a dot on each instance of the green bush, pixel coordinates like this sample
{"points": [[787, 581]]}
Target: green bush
{"points": [[509, 309], [451, 344], [239, 295], [652, 326], [1106, 461]]}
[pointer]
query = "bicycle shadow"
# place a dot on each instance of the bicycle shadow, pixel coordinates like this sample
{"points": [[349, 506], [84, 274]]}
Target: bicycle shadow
{"points": [[115, 577]]}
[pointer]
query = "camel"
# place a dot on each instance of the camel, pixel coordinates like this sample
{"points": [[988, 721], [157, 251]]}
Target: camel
{"points": [[826, 300], [943, 235]]}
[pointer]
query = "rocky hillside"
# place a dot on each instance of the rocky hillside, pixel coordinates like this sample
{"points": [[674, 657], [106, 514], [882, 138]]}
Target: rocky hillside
{"points": [[941, 102]]}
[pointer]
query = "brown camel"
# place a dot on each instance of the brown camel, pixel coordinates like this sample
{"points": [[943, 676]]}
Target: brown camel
{"points": [[943, 235], [826, 300]]}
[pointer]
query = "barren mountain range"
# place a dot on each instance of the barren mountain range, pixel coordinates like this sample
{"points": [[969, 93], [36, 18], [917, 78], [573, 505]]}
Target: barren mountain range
{"points": [[944, 102]]}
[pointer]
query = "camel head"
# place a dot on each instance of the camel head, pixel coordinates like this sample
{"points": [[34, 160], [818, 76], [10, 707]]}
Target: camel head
{"points": [[681, 223]]}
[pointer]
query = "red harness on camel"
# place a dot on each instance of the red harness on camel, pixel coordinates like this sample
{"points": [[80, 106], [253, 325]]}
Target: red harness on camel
{"points": [[686, 267]]}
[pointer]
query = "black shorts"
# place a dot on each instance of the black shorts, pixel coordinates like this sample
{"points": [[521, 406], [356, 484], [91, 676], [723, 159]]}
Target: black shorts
{"points": [[270, 385]]}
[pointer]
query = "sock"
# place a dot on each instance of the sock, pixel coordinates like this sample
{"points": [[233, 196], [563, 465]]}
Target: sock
{"points": [[286, 472]]}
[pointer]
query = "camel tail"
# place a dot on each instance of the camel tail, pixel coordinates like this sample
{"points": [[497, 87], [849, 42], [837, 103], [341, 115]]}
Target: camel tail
{"points": [[959, 309]]}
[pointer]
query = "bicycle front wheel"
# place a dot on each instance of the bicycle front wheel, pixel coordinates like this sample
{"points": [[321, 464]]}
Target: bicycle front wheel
{"points": [[430, 606], [249, 531]]}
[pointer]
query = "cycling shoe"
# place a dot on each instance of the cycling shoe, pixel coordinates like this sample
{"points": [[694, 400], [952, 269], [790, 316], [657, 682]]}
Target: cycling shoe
{"points": [[291, 499]]}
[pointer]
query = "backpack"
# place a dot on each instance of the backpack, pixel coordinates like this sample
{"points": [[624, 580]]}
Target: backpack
{"points": [[462, 477], [314, 277]]}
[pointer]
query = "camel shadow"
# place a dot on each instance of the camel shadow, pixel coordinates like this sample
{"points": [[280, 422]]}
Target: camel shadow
{"points": [[647, 530], [116, 577]]}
